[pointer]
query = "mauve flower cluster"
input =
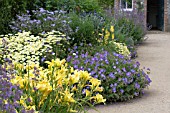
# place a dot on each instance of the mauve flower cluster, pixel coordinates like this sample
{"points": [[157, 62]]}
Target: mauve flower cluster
{"points": [[122, 79], [9, 94], [41, 21]]}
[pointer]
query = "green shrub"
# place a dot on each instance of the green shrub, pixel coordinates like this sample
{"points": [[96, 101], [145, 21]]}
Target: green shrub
{"points": [[129, 27], [10, 8], [86, 28]]}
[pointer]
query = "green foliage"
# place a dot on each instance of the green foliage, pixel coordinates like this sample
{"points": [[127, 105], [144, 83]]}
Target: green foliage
{"points": [[86, 28], [127, 32], [10, 8], [106, 3], [83, 29], [74, 5]]}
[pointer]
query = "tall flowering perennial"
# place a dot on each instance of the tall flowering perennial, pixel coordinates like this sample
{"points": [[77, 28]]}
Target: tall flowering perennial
{"points": [[121, 78], [59, 88], [27, 49], [107, 35]]}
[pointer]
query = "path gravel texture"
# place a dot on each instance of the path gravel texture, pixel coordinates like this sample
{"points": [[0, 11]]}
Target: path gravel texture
{"points": [[155, 54]]}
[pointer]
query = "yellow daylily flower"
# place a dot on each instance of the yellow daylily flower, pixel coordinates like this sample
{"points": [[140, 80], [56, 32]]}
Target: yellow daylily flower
{"points": [[44, 86], [74, 89], [99, 89], [95, 82], [74, 78], [100, 34], [58, 62], [107, 32], [73, 111], [112, 29], [63, 61], [72, 69], [99, 98], [68, 96], [30, 107], [84, 75], [16, 79], [87, 93], [113, 36]]}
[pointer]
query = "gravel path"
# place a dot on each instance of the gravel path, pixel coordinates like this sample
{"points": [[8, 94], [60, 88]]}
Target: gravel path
{"points": [[155, 54]]}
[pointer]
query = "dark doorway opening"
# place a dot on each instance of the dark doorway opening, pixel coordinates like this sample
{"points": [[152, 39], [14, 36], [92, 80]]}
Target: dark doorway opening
{"points": [[155, 14]]}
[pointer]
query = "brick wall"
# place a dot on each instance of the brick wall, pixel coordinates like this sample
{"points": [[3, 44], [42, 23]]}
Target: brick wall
{"points": [[145, 11], [168, 21], [166, 15]]}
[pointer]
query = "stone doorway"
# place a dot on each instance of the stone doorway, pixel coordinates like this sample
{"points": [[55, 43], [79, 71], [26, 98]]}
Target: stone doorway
{"points": [[155, 14]]}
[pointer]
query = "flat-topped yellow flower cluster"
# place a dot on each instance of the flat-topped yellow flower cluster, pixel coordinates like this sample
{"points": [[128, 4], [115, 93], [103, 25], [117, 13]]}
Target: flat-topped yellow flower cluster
{"points": [[120, 48], [26, 48]]}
